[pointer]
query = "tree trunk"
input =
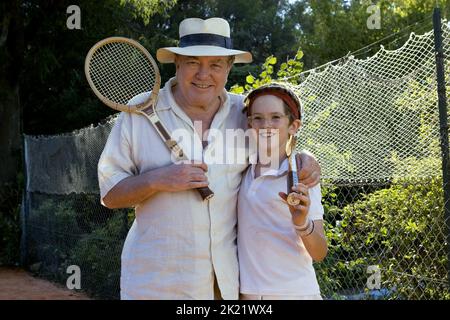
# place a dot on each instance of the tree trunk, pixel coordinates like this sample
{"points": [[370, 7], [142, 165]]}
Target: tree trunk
{"points": [[11, 56], [10, 137]]}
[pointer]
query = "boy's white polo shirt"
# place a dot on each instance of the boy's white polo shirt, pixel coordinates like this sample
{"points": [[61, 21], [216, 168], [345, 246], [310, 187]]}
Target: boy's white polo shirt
{"points": [[272, 257]]}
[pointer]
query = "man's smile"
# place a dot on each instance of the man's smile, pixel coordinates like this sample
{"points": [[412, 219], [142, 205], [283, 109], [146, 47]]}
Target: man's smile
{"points": [[202, 86]]}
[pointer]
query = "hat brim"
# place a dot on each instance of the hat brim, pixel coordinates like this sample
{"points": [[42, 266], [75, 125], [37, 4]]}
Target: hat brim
{"points": [[167, 55]]}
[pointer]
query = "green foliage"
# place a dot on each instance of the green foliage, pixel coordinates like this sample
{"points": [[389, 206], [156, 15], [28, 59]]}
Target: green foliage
{"points": [[289, 69], [145, 9], [401, 229], [292, 68], [10, 206], [98, 256], [333, 28], [10, 196], [52, 230], [76, 231]]}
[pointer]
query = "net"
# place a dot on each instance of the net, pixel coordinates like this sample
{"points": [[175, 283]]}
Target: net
{"points": [[368, 120]]}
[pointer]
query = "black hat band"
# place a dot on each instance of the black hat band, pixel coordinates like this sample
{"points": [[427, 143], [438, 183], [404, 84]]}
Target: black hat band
{"points": [[205, 39]]}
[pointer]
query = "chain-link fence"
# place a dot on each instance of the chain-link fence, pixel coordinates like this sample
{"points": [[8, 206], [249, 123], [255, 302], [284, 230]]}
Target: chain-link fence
{"points": [[374, 126]]}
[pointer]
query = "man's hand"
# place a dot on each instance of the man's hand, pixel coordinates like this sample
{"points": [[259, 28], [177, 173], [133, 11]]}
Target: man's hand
{"points": [[309, 173], [179, 177], [135, 189]]}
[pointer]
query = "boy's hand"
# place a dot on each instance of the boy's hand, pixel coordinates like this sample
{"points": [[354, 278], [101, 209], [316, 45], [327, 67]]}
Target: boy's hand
{"points": [[299, 212]]}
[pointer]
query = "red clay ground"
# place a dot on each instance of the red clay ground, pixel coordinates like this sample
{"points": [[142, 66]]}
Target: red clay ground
{"points": [[17, 284]]}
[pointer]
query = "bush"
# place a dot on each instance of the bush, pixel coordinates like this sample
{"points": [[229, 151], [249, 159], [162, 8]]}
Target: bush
{"points": [[402, 230], [98, 256], [77, 230], [10, 196]]}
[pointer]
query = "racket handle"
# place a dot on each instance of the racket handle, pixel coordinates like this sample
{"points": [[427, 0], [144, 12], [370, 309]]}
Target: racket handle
{"points": [[205, 193]]}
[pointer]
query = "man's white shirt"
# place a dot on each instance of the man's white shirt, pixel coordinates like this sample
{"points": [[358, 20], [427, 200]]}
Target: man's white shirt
{"points": [[177, 241]]}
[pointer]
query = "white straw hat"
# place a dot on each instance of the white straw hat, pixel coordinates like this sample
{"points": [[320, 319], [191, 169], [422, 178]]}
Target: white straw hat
{"points": [[198, 37]]}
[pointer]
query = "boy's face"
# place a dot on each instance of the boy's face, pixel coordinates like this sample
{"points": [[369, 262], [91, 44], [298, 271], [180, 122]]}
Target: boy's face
{"points": [[271, 123]]}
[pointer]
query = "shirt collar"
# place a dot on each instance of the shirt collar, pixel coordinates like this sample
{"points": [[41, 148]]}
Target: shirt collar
{"points": [[169, 100], [282, 170]]}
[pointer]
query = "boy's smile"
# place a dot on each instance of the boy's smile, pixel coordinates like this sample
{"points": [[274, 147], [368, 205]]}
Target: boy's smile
{"points": [[267, 133]]}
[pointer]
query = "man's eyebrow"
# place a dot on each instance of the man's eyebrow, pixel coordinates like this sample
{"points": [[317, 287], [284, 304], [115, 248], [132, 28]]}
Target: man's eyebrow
{"points": [[212, 61], [218, 60]]}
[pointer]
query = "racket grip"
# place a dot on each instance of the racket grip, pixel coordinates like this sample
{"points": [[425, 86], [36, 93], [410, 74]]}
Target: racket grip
{"points": [[205, 193], [290, 181]]}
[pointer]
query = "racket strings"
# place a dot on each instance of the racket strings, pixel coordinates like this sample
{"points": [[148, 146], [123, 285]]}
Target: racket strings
{"points": [[120, 71]]}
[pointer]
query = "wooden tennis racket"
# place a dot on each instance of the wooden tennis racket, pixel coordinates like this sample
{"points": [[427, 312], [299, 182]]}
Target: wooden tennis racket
{"points": [[119, 69], [292, 178]]}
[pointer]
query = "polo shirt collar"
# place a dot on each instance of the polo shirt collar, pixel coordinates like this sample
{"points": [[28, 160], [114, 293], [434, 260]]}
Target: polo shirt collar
{"points": [[282, 170]]}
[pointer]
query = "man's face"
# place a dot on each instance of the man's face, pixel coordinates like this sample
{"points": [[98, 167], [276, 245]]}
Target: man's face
{"points": [[201, 79]]}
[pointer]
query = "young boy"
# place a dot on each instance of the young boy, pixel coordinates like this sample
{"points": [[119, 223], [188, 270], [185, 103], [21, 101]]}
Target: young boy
{"points": [[277, 242]]}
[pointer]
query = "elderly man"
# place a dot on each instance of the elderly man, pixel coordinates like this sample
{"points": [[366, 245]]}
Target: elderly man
{"points": [[179, 246]]}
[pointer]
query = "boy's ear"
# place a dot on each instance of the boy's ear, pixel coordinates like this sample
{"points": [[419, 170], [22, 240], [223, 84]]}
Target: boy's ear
{"points": [[294, 126]]}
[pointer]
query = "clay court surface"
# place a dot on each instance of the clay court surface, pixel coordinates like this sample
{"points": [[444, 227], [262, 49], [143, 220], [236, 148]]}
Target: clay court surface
{"points": [[17, 284]]}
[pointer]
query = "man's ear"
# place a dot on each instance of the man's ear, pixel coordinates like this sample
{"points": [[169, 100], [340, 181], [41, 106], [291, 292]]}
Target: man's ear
{"points": [[176, 61], [230, 66], [229, 70]]}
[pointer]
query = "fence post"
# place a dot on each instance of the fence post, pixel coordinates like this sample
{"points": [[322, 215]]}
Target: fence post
{"points": [[24, 209], [442, 103]]}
